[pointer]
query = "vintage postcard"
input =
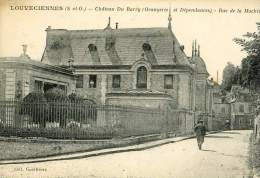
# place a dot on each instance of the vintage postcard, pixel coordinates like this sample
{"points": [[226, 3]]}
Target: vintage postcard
{"points": [[129, 89]]}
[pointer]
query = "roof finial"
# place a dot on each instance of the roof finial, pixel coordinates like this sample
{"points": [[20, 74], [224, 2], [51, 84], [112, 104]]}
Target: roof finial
{"points": [[195, 50], [24, 55], [108, 25], [170, 19], [217, 76], [199, 50], [192, 53], [24, 49]]}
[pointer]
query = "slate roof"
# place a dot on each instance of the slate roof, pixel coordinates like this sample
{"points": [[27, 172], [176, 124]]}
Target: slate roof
{"points": [[63, 44], [21, 62], [200, 65]]}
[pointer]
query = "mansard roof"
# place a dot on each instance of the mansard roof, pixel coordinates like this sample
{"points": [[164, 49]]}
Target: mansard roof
{"points": [[126, 46]]}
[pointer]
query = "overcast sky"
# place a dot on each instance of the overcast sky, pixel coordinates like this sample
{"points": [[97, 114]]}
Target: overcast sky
{"points": [[213, 31]]}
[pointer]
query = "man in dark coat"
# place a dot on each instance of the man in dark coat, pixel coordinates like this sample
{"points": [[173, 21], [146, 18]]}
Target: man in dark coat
{"points": [[200, 131]]}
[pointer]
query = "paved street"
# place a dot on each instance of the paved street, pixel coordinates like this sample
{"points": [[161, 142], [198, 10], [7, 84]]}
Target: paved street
{"points": [[224, 155]]}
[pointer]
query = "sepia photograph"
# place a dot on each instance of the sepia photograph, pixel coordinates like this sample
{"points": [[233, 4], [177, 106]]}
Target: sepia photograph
{"points": [[129, 89]]}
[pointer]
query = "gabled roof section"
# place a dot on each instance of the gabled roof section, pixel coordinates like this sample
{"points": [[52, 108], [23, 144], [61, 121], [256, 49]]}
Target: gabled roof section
{"points": [[114, 46]]}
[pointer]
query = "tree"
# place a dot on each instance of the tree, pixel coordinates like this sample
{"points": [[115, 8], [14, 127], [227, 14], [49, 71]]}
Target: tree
{"points": [[35, 105], [82, 110], [58, 106], [229, 73], [250, 66]]}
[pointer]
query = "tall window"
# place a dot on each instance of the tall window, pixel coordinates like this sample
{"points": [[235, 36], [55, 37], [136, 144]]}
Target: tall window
{"points": [[116, 81], [92, 81], [38, 86], [223, 110], [241, 108], [168, 81], [141, 77], [79, 81]]}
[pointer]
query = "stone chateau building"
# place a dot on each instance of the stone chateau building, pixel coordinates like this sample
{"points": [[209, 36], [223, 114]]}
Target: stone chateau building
{"points": [[132, 66], [124, 66]]}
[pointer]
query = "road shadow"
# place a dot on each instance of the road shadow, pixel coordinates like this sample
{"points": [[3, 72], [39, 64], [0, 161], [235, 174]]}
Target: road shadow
{"points": [[217, 136], [229, 132], [208, 150], [236, 156]]}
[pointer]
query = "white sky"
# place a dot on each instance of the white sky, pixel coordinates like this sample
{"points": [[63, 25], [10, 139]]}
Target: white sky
{"points": [[214, 32]]}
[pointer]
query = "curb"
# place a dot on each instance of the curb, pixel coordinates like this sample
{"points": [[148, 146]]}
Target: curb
{"points": [[93, 153], [137, 147]]}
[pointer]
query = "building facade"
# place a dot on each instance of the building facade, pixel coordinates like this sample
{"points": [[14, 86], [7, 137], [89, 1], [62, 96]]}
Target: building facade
{"points": [[241, 108], [141, 67]]}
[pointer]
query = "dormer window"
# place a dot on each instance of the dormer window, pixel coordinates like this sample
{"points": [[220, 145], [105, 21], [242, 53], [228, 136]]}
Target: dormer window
{"points": [[149, 53], [94, 53], [147, 47], [92, 48]]}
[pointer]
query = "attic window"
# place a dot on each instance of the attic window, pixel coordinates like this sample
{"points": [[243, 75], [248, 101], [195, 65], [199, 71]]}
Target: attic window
{"points": [[92, 47], [147, 47]]}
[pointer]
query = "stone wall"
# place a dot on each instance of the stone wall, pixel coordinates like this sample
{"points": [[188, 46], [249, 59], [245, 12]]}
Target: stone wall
{"points": [[126, 82], [243, 121], [201, 93], [157, 84], [235, 107], [139, 101], [2, 84], [221, 108], [185, 93]]}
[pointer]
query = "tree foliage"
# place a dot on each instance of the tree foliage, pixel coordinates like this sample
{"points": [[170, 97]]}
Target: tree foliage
{"points": [[229, 73], [250, 66], [35, 106], [56, 106]]}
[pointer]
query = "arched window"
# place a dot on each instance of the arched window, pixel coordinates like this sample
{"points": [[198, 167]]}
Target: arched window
{"points": [[141, 77]]}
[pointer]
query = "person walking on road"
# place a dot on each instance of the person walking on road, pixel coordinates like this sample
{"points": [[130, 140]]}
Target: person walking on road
{"points": [[200, 131]]}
